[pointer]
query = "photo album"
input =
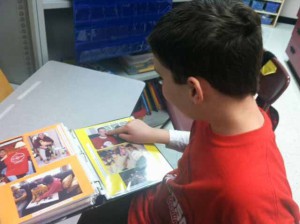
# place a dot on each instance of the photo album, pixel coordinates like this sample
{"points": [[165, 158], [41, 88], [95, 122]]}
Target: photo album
{"points": [[52, 172]]}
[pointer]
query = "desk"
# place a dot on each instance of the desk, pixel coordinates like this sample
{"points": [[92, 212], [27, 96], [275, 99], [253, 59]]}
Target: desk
{"points": [[73, 95]]}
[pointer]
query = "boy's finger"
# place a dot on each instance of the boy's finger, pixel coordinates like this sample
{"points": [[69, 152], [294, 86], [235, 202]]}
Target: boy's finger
{"points": [[116, 131], [126, 137]]}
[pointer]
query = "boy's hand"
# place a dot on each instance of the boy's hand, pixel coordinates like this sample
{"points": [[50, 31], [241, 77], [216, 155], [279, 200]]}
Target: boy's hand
{"points": [[138, 131]]}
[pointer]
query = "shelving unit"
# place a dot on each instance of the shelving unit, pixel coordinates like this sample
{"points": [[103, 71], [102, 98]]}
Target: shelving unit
{"points": [[37, 12], [269, 10]]}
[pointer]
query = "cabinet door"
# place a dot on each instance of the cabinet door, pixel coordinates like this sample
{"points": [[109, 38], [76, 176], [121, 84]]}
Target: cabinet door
{"points": [[296, 33], [293, 52]]}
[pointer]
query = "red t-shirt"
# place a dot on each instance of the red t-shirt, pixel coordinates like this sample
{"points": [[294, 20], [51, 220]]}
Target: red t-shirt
{"points": [[17, 162], [54, 187], [222, 179], [100, 143]]}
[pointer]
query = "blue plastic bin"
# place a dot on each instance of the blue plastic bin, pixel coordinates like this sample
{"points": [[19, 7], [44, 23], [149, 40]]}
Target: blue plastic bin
{"points": [[247, 2], [112, 28], [272, 7], [266, 19], [258, 5]]}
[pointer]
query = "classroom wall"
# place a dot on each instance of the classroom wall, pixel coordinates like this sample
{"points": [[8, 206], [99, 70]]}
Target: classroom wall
{"points": [[290, 9]]}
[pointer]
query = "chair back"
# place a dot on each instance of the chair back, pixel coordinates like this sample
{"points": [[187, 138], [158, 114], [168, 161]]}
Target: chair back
{"points": [[272, 86]]}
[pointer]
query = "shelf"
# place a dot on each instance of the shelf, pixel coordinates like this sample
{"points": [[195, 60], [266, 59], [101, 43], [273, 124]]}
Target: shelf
{"points": [[57, 4], [142, 76], [113, 66], [181, 1], [61, 4], [265, 12], [278, 1], [157, 118]]}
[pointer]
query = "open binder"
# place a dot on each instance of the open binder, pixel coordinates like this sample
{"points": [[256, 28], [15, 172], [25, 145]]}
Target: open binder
{"points": [[52, 172]]}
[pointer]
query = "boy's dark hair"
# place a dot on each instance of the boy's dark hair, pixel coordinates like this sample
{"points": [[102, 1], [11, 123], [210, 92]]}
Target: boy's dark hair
{"points": [[218, 40], [48, 180]]}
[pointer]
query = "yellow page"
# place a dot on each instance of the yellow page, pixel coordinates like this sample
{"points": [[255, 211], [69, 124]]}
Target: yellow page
{"points": [[122, 166]]}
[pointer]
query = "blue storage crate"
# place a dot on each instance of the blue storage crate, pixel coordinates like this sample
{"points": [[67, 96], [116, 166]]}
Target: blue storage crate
{"points": [[272, 7], [111, 28], [267, 19], [247, 2], [258, 5]]}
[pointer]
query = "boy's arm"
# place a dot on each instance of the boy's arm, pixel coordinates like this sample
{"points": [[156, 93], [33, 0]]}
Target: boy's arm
{"points": [[22, 198], [138, 131], [53, 188]]}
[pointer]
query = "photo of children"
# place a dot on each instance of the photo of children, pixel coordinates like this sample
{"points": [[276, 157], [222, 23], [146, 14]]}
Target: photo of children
{"points": [[125, 157], [99, 138], [45, 190], [15, 161], [47, 147]]}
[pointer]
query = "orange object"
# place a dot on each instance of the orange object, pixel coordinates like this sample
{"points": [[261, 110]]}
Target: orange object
{"points": [[5, 87]]}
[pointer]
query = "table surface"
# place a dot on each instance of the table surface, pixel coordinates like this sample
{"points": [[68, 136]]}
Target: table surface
{"points": [[75, 96]]}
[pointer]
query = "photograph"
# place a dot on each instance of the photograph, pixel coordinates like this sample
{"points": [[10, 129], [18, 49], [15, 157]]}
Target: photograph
{"points": [[15, 160], [134, 177], [45, 190], [100, 140], [47, 147], [124, 157]]}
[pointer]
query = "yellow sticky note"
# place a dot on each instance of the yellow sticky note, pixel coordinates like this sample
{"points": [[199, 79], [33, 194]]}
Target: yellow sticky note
{"points": [[269, 68]]}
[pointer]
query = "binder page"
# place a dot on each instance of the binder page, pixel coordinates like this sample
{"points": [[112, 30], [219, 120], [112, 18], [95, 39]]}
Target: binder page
{"points": [[123, 167]]}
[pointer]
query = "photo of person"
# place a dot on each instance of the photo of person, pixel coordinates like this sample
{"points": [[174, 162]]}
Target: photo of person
{"points": [[47, 147], [53, 185], [15, 161], [45, 190], [20, 197], [42, 145], [124, 157], [99, 138]]}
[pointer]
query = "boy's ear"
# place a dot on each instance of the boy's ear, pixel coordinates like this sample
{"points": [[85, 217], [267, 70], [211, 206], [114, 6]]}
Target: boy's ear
{"points": [[196, 90]]}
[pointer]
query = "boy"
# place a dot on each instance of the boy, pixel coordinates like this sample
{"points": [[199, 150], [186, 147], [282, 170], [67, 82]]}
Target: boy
{"points": [[53, 184], [208, 53]]}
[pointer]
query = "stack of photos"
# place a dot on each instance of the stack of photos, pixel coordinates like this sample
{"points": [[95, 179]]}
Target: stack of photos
{"points": [[39, 173]]}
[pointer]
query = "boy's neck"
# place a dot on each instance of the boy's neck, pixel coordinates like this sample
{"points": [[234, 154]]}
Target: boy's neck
{"points": [[233, 116]]}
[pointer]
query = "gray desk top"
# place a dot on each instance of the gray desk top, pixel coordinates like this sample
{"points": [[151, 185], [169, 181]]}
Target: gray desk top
{"points": [[73, 95]]}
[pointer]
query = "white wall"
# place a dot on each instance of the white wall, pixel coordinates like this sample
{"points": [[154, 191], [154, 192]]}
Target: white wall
{"points": [[290, 8]]}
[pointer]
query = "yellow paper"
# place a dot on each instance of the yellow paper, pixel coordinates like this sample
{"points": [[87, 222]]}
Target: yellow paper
{"points": [[269, 68]]}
